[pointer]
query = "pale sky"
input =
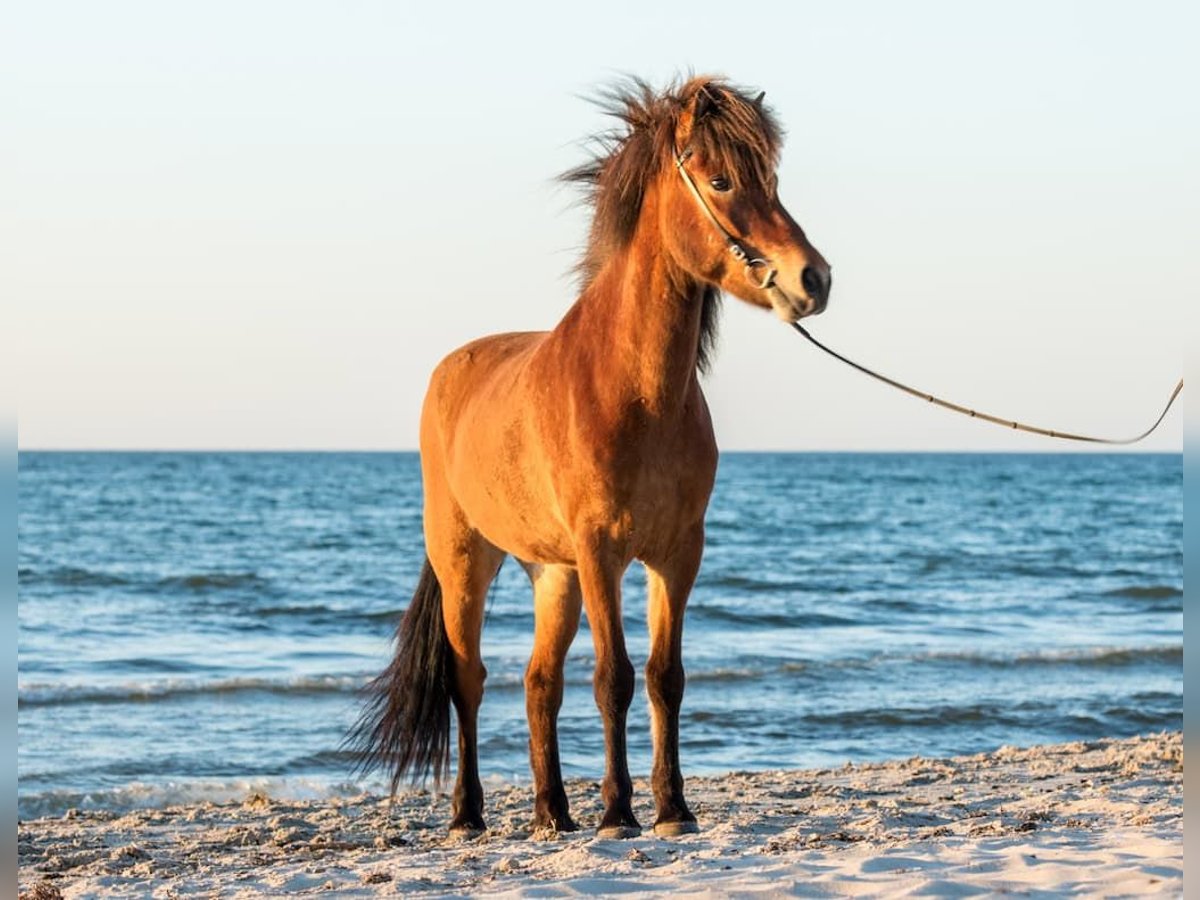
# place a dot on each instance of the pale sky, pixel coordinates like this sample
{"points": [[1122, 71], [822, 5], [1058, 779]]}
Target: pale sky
{"points": [[260, 225]]}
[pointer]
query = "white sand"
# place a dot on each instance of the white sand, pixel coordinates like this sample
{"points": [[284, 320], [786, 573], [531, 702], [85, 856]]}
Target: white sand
{"points": [[1102, 819]]}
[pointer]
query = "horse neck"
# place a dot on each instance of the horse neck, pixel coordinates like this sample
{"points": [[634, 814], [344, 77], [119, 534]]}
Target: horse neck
{"points": [[649, 313]]}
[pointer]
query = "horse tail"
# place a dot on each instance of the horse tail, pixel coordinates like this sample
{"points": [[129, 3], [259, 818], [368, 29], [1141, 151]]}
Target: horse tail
{"points": [[404, 727]]}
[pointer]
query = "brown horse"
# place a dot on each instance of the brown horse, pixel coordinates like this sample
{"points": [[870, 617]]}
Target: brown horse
{"points": [[581, 449]]}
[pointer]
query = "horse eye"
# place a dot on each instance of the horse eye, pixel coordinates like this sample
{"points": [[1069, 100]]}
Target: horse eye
{"points": [[720, 183]]}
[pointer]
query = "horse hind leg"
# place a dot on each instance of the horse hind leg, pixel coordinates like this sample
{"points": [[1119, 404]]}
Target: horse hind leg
{"points": [[465, 564], [670, 582], [557, 602]]}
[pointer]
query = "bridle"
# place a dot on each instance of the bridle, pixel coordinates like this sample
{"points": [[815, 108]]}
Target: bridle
{"points": [[767, 283], [735, 247]]}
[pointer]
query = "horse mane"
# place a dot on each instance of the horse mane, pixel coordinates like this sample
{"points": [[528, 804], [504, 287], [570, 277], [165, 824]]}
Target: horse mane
{"points": [[735, 132]]}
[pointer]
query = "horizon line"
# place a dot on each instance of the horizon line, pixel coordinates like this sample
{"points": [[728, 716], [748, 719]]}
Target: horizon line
{"points": [[1082, 450]]}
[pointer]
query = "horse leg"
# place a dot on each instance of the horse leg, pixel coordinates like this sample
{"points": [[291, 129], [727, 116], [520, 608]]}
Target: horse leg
{"points": [[556, 603], [613, 682], [465, 564], [669, 583]]}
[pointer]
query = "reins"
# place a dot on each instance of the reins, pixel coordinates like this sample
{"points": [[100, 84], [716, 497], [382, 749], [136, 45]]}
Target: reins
{"points": [[767, 282]]}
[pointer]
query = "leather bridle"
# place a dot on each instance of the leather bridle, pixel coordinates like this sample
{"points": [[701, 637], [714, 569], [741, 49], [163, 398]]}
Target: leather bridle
{"points": [[767, 283], [735, 247]]}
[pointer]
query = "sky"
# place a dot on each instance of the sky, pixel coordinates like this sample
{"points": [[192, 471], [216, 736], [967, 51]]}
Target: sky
{"points": [[232, 225]]}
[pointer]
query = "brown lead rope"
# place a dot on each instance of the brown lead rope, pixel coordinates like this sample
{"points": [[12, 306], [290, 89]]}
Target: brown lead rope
{"points": [[974, 414]]}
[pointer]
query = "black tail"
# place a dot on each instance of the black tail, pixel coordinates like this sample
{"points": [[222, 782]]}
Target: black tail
{"points": [[405, 724]]}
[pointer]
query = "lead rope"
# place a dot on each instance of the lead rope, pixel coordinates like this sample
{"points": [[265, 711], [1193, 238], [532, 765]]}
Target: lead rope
{"points": [[975, 414], [767, 282]]}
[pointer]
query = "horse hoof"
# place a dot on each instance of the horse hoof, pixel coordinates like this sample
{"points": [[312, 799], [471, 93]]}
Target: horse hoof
{"points": [[618, 832], [462, 833], [675, 829], [553, 818], [548, 828]]}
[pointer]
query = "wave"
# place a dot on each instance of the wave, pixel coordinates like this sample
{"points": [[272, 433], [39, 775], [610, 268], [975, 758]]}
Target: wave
{"points": [[194, 582], [151, 664], [751, 584], [1100, 657], [1146, 592], [33, 695], [727, 675], [1123, 719], [41, 695], [917, 716], [322, 613], [1094, 657], [140, 795], [212, 581], [902, 723], [166, 689], [70, 576], [747, 673], [762, 619]]}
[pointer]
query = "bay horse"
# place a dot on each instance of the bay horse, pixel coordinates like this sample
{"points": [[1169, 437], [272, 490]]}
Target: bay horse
{"points": [[581, 449]]}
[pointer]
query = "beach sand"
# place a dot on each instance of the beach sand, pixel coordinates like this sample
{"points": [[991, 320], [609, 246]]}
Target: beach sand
{"points": [[1102, 818]]}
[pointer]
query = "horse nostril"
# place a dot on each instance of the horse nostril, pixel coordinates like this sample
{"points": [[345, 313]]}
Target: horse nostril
{"points": [[816, 284]]}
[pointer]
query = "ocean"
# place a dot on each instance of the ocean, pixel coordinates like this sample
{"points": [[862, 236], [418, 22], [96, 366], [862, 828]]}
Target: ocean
{"points": [[197, 625]]}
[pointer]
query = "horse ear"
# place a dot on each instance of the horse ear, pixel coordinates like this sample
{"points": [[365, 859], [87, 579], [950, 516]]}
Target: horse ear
{"points": [[706, 105], [759, 99]]}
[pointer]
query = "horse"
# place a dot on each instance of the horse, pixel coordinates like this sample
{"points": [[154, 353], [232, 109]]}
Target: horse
{"points": [[581, 449]]}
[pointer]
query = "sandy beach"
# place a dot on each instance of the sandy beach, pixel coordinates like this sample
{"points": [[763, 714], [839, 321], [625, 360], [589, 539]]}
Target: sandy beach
{"points": [[1103, 818]]}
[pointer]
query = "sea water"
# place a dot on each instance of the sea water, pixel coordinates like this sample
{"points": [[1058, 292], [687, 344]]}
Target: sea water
{"points": [[197, 625]]}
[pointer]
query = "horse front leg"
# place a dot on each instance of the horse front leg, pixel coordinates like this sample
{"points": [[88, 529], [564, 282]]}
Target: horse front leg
{"points": [[556, 603], [670, 582], [613, 683]]}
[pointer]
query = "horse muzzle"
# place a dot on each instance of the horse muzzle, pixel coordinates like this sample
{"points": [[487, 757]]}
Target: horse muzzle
{"points": [[816, 281], [792, 308]]}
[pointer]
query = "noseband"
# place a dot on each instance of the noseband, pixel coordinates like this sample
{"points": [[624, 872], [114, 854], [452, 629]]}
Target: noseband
{"points": [[752, 264]]}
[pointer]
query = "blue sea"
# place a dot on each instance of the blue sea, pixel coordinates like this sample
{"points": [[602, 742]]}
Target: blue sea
{"points": [[196, 625]]}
